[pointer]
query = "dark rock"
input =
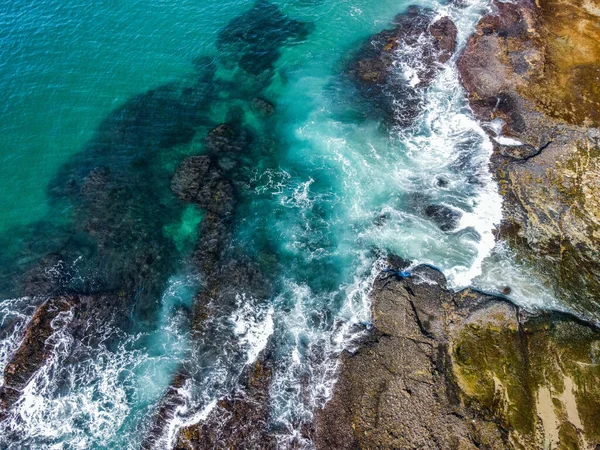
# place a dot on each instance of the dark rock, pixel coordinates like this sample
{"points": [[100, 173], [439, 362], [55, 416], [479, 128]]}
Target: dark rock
{"points": [[396, 263], [243, 414], [74, 312], [444, 31], [238, 421], [254, 39], [33, 351], [444, 217], [373, 68], [214, 236], [200, 181], [227, 138], [170, 402], [263, 107], [441, 182]]}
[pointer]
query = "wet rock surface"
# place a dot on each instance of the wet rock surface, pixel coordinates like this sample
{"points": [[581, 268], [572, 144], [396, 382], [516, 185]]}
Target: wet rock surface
{"points": [[72, 312], [465, 370], [415, 41], [240, 420], [446, 218], [524, 72]]}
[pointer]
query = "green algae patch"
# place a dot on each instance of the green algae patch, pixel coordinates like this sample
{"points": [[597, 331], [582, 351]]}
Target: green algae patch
{"points": [[491, 369], [541, 382]]}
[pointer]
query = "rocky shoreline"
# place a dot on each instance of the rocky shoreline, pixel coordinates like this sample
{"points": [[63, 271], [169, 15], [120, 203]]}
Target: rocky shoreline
{"points": [[435, 369], [532, 74], [463, 370], [467, 370]]}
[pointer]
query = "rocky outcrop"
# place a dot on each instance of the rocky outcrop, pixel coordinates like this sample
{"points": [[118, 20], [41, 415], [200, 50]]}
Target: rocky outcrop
{"points": [[240, 420], [532, 73], [211, 181], [70, 311], [463, 371], [417, 43], [33, 351]]}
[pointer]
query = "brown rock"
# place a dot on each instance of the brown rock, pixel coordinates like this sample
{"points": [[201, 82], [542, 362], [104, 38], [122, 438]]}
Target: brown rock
{"points": [[397, 391], [463, 370], [518, 71], [37, 346], [33, 351]]}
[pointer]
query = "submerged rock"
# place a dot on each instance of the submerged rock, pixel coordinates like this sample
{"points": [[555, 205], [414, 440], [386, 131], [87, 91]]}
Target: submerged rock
{"points": [[254, 39], [465, 370], [227, 138], [200, 181], [528, 71], [262, 106], [104, 264], [444, 217], [230, 279], [416, 44]]}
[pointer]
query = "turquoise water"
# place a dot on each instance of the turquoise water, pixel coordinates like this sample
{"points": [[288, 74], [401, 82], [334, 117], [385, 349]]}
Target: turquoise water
{"points": [[98, 91]]}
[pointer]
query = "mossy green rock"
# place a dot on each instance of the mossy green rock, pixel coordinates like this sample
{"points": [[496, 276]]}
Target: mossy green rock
{"points": [[463, 371], [540, 381]]}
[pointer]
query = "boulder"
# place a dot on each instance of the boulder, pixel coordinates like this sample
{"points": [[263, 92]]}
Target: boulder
{"points": [[444, 217]]}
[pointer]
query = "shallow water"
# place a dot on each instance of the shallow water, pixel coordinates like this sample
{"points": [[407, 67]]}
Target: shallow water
{"points": [[96, 91]]}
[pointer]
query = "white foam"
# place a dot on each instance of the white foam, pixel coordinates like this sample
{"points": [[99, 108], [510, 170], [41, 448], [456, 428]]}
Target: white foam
{"points": [[300, 197], [253, 327], [509, 142], [502, 270]]}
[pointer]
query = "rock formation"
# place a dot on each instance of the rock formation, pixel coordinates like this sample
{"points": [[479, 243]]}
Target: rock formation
{"points": [[532, 74], [463, 371], [239, 421], [415, 41], [41, 340]]}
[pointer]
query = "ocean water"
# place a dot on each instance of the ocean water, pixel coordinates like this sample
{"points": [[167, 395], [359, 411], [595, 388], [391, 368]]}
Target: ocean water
{"points": [[97, 91]]}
